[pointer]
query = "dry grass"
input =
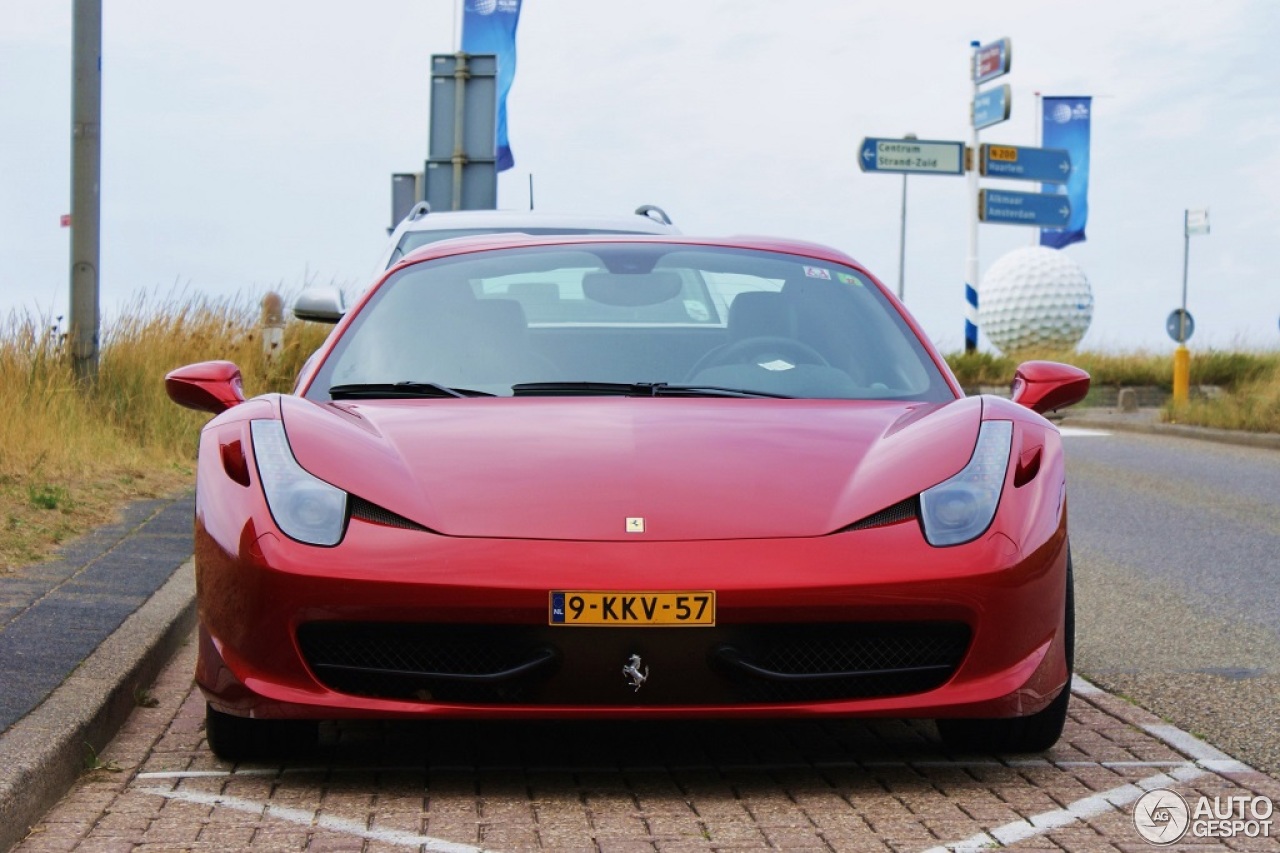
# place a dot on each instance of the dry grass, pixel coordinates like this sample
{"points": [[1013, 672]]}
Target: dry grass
{"points": [[1248, 383], [1253, 406], [72, 456], [1230, 370]]}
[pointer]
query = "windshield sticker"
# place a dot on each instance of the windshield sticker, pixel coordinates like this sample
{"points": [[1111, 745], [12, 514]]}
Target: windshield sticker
{"points": [[817, 272], [846, 278]]}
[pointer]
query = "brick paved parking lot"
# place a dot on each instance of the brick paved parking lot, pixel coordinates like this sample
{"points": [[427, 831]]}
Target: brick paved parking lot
{"points": [[793, 786]]}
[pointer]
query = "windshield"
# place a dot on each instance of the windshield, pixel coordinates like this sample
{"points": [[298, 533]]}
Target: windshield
{"points": [[626, 318]]}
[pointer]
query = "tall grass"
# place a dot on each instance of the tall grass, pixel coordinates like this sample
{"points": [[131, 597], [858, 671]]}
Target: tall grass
{"points": [[1247, 383], [71, 454], [1222, 369], [1252, 405]]}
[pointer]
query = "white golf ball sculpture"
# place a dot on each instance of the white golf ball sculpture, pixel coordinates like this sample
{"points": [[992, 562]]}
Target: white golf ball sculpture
{"points": [[1035, 298]]}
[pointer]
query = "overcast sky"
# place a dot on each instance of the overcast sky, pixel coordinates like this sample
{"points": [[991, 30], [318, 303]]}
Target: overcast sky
{"points": [[249, 144]]}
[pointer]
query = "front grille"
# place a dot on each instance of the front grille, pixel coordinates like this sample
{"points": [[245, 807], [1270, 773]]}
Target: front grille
{"points": [[827, 662], [439, 663], [547, 665]]}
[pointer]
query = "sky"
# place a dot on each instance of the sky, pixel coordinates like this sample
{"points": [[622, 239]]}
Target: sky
{"points": [[248, 145]]}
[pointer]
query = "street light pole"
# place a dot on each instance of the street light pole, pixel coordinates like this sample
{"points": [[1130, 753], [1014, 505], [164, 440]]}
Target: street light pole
{"points": [[86, 145], [902, 234]]}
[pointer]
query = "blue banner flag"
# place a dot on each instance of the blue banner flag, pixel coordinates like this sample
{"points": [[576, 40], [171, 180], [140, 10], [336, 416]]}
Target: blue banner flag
{"points": [[489, 26], [1066, 125]]}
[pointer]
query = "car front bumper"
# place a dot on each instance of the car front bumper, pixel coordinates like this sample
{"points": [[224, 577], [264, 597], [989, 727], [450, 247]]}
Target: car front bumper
{"points": [[804, 627]]}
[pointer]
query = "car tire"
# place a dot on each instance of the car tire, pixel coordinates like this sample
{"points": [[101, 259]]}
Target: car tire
{"points": [[1034, 733], [235, 738]]}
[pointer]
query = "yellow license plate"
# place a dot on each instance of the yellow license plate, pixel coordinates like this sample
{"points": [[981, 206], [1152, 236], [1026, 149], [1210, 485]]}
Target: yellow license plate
{"points": [[633, 609]]}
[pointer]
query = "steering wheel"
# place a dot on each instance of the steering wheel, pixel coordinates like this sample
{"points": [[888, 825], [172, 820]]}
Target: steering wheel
{"points": [[751, 350]]}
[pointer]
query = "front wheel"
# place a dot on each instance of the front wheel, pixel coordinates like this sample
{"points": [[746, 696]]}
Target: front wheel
{"points": [[235, 738], [1034, 733]]}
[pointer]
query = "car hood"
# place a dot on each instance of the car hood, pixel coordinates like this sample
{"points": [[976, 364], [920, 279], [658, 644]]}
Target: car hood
{"points": [[578, 468]]}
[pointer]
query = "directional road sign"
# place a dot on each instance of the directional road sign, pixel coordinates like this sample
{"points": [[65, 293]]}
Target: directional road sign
{"points": [[1044, 210], [992, 60], [1025, 164], [992, 106], [916, 156]]}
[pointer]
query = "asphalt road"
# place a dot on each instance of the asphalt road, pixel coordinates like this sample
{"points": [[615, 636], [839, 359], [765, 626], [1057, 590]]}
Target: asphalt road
{"points": [[1177, 558]]}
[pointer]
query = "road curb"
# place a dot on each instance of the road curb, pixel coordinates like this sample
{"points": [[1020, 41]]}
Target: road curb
{"points": [[42, 755], [1123, 422]]}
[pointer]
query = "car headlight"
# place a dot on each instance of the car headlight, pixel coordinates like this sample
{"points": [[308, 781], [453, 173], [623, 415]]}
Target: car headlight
{"points": [[304, 507], [958, 510]]}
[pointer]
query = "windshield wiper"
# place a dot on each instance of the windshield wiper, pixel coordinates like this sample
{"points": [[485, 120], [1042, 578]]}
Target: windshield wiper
{"points": [[633, 389], [399, 390]]}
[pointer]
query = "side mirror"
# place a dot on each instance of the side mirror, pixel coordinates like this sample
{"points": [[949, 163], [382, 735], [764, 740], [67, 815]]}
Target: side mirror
{"points": [[209, 386], [1043, 386], [320, 305]]}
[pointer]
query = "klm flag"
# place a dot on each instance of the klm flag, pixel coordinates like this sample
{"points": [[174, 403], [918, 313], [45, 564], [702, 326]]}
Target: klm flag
{"points": [[489, 26], [1066, 125]]}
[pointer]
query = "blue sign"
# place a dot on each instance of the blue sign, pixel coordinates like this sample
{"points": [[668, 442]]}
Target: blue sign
{"points": [[1180, 325], [992, 106], [1045, 210], [1025, 164], [1065, 124], [915, 156], [489, 26]]}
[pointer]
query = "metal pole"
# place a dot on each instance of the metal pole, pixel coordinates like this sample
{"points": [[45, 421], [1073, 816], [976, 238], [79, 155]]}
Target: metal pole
{"points": [[86, 157], [460, 76], [1035, 232], [1186, 256], [902, 234], [1181, 355], [971, 263]]}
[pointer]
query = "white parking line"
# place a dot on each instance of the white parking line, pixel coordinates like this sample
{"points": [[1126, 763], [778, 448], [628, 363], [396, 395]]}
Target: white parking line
{"points": [[1021, 830], [312, 819], [1205, 759]]}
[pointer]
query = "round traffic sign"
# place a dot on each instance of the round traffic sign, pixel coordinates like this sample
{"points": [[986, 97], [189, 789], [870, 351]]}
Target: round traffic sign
{"points": [[1180, 325]]}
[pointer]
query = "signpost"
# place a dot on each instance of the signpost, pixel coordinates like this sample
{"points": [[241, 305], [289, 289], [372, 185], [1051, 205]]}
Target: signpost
{"points": [[987, 62], [1047, 165], [914, 156], [461, 170], [992, 106], [942, 157], [1043, 210]]}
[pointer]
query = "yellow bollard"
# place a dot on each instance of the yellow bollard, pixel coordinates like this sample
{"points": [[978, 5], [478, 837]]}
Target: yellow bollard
{"points": [[1181, 375]]}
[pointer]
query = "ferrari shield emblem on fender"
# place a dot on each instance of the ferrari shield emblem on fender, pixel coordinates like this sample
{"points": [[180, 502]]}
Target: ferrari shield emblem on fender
{"points": [[633, 673], [635, 525]]}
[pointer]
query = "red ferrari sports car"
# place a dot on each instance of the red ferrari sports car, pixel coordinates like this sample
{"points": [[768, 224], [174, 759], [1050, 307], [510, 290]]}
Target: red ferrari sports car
{"points": [[631, 477]]}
